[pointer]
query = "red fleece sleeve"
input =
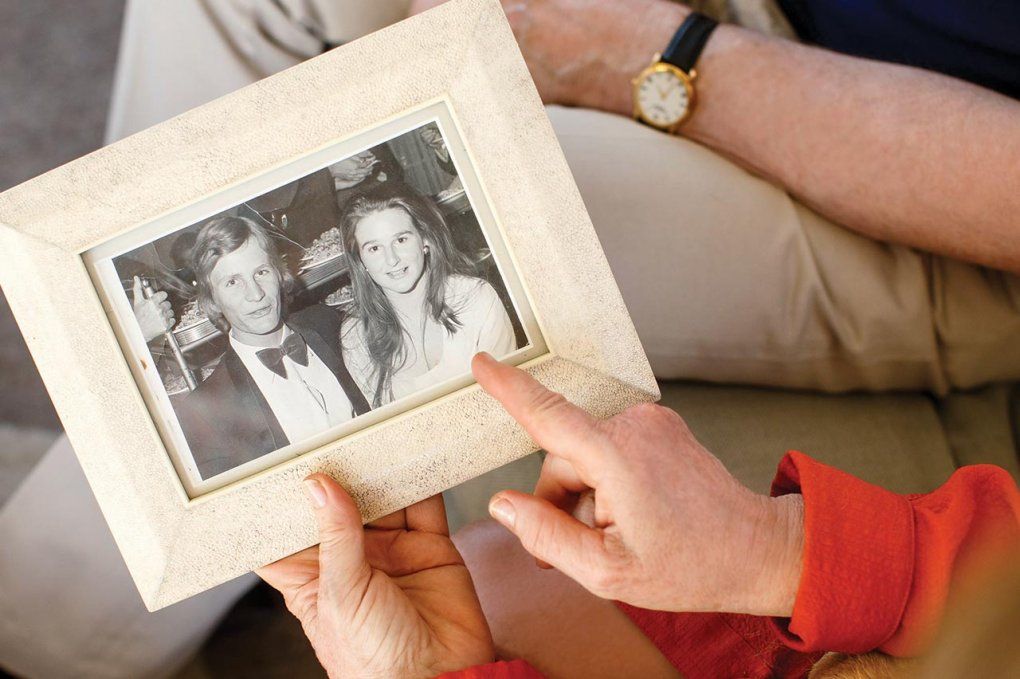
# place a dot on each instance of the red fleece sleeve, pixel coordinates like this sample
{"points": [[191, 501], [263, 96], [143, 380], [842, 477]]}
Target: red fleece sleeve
{"points": [[713, 645], [878, 566], [512, 669]]}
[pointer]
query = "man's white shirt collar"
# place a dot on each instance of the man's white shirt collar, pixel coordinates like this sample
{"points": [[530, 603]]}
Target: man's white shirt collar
{"points": [[306, 402]]}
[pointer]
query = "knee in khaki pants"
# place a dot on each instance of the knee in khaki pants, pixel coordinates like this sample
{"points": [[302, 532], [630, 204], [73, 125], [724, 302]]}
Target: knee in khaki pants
{"points": [[68, 607], [977, 317], [728, 279]]}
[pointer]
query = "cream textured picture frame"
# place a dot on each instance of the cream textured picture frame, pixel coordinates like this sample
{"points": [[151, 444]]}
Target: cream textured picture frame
{"points": [[461, 53]]}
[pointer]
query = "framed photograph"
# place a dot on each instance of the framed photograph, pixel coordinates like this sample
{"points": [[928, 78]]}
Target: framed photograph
{"points": [[376, 261], [294, 278]]}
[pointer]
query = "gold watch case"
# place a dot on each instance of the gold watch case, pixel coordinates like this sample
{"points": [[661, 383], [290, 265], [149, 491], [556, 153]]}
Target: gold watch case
{"points": [[658, 66]]}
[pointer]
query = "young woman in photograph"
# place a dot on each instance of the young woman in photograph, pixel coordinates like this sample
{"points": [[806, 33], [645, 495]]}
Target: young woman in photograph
{"points": [[419, 313]]}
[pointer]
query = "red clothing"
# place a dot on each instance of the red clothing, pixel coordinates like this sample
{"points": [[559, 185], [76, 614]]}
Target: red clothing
{"points": [[877, 571], [878, 566]]}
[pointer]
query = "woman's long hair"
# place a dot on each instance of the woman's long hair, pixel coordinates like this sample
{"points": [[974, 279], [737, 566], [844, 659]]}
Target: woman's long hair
{"points": [[383, 333]]}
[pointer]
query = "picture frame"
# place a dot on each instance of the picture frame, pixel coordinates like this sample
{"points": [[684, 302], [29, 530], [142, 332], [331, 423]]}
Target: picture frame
{"points": [[457, 67]]}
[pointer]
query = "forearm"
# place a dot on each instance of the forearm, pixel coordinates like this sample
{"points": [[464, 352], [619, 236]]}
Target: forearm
{"points": [[896, 153]]}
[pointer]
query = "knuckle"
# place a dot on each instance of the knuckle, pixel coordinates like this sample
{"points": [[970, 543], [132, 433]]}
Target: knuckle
{"points": [[541, 539], [301, 603], [544, 401], [645, 414], [606, 579], [614, 567], [547, 400], [332, 543]]}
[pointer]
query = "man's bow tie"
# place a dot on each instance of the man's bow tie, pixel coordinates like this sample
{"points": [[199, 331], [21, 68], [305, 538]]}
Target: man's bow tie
{"points": [[294, 346]]}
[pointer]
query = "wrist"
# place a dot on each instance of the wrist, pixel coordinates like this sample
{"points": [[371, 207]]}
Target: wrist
{"points": [[733, 57], [784, 559], [630, 45], [772, 558]]}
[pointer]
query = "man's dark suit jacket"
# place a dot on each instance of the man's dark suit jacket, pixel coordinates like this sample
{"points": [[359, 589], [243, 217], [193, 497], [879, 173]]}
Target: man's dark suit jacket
{"points": [[227, 421]]}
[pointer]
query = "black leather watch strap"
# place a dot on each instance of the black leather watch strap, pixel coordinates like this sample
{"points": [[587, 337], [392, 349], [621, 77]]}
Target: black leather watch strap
{"points": [[688, 41]]}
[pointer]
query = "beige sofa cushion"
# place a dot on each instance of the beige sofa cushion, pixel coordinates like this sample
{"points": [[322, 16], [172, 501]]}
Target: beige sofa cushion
{"points": [[893, 440]]}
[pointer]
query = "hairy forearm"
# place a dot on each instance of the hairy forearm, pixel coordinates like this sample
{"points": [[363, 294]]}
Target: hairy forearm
{"points": [[896, 153]]}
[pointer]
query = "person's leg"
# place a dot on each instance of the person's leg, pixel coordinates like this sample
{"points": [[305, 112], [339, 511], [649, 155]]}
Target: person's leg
{"points": [[729, 279], [469, 501], [977, 315], [68, 607], [546, 618]]}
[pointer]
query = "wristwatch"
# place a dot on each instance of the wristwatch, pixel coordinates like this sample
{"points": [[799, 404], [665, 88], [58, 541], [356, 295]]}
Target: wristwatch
{"points": [[664, 91]]}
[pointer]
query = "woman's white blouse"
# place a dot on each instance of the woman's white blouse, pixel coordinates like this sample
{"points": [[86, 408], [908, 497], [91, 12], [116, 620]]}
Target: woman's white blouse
{"points": [[485, 326]]}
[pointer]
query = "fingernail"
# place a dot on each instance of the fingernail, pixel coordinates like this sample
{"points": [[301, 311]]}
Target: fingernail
{"points": [[316, 493], [502, 511]]}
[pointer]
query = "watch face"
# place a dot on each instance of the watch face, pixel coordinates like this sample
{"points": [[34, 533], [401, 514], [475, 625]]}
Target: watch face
{"points": [[662, 96]]}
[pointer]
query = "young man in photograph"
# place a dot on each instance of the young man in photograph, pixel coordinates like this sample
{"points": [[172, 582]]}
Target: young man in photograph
{"points": [[282, 378]]}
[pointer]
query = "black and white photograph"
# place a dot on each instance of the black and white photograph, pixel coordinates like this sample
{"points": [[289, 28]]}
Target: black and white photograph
{"points": [[356, 286]]}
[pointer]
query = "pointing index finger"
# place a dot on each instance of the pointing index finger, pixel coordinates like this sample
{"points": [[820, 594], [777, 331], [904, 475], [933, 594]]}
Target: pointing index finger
{"points": [[555, 424]]}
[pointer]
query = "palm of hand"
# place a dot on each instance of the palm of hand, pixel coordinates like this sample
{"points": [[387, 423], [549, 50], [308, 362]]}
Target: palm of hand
{"points": [[410, 610]]}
